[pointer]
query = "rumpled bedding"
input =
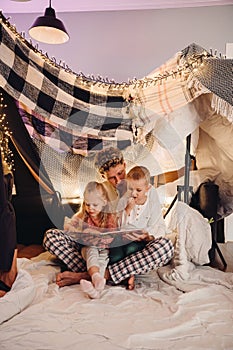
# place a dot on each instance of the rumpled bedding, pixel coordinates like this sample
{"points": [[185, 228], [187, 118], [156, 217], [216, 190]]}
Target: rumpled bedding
{"points": [[156, 315], [183, 305]]}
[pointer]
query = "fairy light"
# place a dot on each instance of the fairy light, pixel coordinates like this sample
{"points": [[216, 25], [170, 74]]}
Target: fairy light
{"points": [[5, 134], [183, 69]]}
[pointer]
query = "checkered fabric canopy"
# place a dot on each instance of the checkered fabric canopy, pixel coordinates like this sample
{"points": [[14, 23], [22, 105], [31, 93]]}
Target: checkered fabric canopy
{"points": [[78, 108], [72, 113], [87, 114]]}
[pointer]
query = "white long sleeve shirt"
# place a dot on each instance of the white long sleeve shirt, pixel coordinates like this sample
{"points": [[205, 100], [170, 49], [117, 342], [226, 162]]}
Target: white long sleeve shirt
{"points": [[147, 216]]}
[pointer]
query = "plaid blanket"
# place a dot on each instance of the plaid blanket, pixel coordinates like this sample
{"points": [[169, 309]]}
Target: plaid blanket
{"points": [[214, 73], [73, 112], [69, 101], [67, 138], [165, 90]]}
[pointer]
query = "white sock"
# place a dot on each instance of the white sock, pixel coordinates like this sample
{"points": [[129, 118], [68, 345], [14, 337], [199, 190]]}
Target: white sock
{"points": [[87, 287], [98, 281]]}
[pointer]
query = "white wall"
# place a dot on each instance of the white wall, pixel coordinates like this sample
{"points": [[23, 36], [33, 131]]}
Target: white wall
{"points": [[228, 222], [128, 44]]}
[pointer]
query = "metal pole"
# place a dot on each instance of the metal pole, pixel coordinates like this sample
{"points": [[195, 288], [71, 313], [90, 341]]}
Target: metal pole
{"points": [[186, 189], [187, 170]]}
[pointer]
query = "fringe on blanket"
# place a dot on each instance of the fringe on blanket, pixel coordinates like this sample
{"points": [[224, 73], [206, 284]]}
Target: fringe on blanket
{"points": [[222, 107]]}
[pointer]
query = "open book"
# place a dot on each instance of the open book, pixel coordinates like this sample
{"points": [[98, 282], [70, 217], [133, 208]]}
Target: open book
{"points": [[105, 238]]}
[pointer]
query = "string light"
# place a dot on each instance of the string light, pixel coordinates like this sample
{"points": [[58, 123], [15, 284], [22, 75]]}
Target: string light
{"points": [[186, 66], [5, 134]]}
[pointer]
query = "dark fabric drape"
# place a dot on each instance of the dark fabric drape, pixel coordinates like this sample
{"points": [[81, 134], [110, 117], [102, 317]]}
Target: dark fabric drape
{"points": [[7, 224], [24, 146], [36, 203]]}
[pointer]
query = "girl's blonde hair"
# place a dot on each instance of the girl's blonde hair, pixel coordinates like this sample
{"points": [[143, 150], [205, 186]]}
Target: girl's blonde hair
{"points": [[94, 186]]}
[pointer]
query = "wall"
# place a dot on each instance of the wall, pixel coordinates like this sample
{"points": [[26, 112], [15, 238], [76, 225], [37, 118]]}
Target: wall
{"points": [[127, 44], [228, 222]]}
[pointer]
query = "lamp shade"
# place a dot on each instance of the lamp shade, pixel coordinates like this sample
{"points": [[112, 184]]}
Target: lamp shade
{"points": [[49, 29]]}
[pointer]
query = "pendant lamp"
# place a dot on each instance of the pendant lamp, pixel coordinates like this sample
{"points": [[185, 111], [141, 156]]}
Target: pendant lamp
{"points": [[49, 29]]}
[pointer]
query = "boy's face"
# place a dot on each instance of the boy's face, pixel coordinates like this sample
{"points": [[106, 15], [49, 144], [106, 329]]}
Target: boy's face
{"points": [[115, 174], [137, 189]]}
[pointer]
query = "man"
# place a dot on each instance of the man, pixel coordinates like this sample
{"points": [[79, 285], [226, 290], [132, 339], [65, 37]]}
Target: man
{"points": [[112, 167]]}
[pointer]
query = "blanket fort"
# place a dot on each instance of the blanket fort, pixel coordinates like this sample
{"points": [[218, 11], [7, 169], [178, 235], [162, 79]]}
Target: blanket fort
{"points": [[69, 116]]}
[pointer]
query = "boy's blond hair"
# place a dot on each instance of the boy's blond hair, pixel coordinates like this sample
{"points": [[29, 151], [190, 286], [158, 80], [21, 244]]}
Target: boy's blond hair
{"points": [[138, 173]]}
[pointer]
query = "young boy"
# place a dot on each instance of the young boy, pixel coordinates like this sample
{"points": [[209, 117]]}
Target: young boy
{"points": [[143, 211]]}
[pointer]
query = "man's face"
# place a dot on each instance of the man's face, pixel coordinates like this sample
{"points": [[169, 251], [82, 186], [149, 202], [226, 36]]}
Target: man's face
{"points": [[115, 174]]}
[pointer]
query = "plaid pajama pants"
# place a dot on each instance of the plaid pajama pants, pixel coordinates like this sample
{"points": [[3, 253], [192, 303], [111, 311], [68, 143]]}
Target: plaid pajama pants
{"points": [[65, 248], [155, 254]]}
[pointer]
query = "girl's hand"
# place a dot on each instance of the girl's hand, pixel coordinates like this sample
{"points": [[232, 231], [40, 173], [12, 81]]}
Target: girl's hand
{"points": [[69, 227], [93, 237], [91, 230], [72, 224]]}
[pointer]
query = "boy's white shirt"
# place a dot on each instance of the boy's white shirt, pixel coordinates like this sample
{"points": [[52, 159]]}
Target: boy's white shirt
{"points": [[149, 216]]}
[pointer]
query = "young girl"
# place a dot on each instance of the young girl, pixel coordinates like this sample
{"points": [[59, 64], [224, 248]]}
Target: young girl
{"points": [[93, 214]]}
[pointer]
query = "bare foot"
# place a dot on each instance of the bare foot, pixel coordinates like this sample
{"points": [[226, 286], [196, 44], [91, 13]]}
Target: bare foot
{"points": [[67, 278], [131, 283], [9, 277], [107, 275], [2, 293]]}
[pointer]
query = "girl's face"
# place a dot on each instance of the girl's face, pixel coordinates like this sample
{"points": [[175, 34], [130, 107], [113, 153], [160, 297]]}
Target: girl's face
{"points": [[138, 190], [94, 203]]}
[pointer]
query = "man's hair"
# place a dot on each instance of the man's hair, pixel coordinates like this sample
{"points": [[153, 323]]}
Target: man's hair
{"points": [[107, 158], [138, 173]]}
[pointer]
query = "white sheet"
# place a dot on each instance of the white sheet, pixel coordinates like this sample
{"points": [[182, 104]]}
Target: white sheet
{"points": [[156, 315], [179, 306]]}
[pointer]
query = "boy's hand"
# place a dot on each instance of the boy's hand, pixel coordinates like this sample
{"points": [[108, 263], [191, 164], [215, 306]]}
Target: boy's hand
{"points": [[130, 205], [144, 236]]}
